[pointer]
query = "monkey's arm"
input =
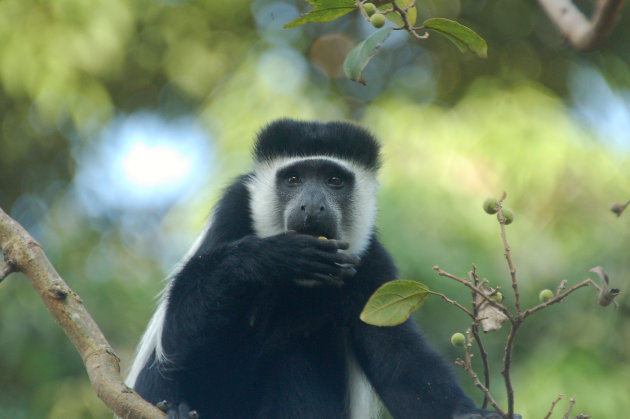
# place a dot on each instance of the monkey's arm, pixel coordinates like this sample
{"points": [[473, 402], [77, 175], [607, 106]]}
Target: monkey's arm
{"points": [[411, 378], [215, 289], [207, 321]]}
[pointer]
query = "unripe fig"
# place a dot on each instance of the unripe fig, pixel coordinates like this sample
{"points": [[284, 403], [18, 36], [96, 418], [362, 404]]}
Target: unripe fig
{"points": [[508, 215], [491, 205], [458, 339], [498, 297], [369, 8], [545, 295], [377, 20]]}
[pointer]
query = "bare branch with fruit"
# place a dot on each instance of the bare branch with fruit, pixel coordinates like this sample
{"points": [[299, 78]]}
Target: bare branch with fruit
{"points": [[396, 300]]}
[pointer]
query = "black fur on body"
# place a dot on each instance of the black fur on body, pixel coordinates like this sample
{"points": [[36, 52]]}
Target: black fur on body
{"points": [[262, 325]]}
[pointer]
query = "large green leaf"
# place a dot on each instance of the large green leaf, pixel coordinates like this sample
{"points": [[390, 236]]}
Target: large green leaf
{"points": [[395, 17], [324, 11], [361, 55], [394, 302], [463, 37]]}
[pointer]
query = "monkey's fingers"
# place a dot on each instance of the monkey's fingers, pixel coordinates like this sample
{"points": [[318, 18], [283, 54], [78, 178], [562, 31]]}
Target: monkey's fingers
{"points": [[345, 259], [347, 271], [332, 245], [329, 280]]}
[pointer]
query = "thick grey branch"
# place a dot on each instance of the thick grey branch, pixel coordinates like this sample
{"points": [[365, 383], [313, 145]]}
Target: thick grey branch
{"points": [[22, 253], [584, 34]]}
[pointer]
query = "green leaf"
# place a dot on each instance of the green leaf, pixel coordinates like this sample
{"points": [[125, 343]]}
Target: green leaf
{"points": [[324, 11], [393, 302], [360, 56], [463, 37], [395, 17]]}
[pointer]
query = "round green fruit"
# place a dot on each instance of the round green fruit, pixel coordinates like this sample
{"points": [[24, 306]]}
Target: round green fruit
{"points": [[491, 205], [458, 339], [545, 295], [498, 297], [369, 8], [377, 20], [508, 215]]}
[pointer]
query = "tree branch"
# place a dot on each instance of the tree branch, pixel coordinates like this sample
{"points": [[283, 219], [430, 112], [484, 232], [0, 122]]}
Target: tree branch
{"points": [[467, 366], [553, 405], [475, 290], [455, 303], [22, 253], [618, 208], [559, 296], [507, 363], [508, 257], [475, 331], [584, 34]]}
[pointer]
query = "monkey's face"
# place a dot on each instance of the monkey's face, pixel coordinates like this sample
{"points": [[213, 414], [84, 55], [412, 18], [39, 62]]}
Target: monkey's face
{"points": [[318, 195], [315, 197]]}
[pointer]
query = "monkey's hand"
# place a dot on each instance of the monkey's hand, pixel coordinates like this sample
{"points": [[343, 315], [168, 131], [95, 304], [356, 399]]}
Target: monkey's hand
{"points": [[181, 411], [306, 258]]}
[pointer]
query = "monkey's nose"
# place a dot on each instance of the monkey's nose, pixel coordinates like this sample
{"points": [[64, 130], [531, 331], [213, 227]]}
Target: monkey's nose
{"points": [[313, 210]]}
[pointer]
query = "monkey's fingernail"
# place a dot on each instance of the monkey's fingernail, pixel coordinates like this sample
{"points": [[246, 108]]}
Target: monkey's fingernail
{"points": [[193, 414], [354, 260], [163, 405]]}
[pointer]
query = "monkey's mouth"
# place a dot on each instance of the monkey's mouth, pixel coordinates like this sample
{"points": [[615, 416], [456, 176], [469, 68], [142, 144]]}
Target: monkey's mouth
{"points": [[317, 232], [316, 229], [313, 226]]}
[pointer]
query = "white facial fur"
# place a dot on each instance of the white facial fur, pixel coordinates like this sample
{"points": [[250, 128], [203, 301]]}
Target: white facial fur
{"points": [[264, 205]]}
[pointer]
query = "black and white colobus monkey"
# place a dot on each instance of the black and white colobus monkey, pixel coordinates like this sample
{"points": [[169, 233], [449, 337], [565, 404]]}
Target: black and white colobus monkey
{"points": [[262, 319]]}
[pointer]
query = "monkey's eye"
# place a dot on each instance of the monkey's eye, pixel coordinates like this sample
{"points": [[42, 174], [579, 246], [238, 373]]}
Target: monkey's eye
{"points": [[293, 180], [335, 181]]}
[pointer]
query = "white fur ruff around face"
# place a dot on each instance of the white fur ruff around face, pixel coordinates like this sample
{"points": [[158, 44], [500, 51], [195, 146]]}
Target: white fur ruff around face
{"points": [[264, 205]]}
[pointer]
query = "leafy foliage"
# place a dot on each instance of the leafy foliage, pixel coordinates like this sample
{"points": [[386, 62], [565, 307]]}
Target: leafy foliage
{"points": [[393, 302], [395, 17], [403, 13], [324, 11], [360, 56], [463, 37]]}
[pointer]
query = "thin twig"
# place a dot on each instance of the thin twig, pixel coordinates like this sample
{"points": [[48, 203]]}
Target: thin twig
{"points": [[467, 366], [474, 289], [553, 405], [561, 286], [507, 362], [558, 297], [484, 360], [508, 257], [455, 303], [516, 320], [475, 331], [406, 26], [569, 407], [618, 209]]}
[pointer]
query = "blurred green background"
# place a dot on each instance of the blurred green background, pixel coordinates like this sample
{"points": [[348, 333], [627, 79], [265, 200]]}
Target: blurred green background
{"points": [[121, 121]]}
